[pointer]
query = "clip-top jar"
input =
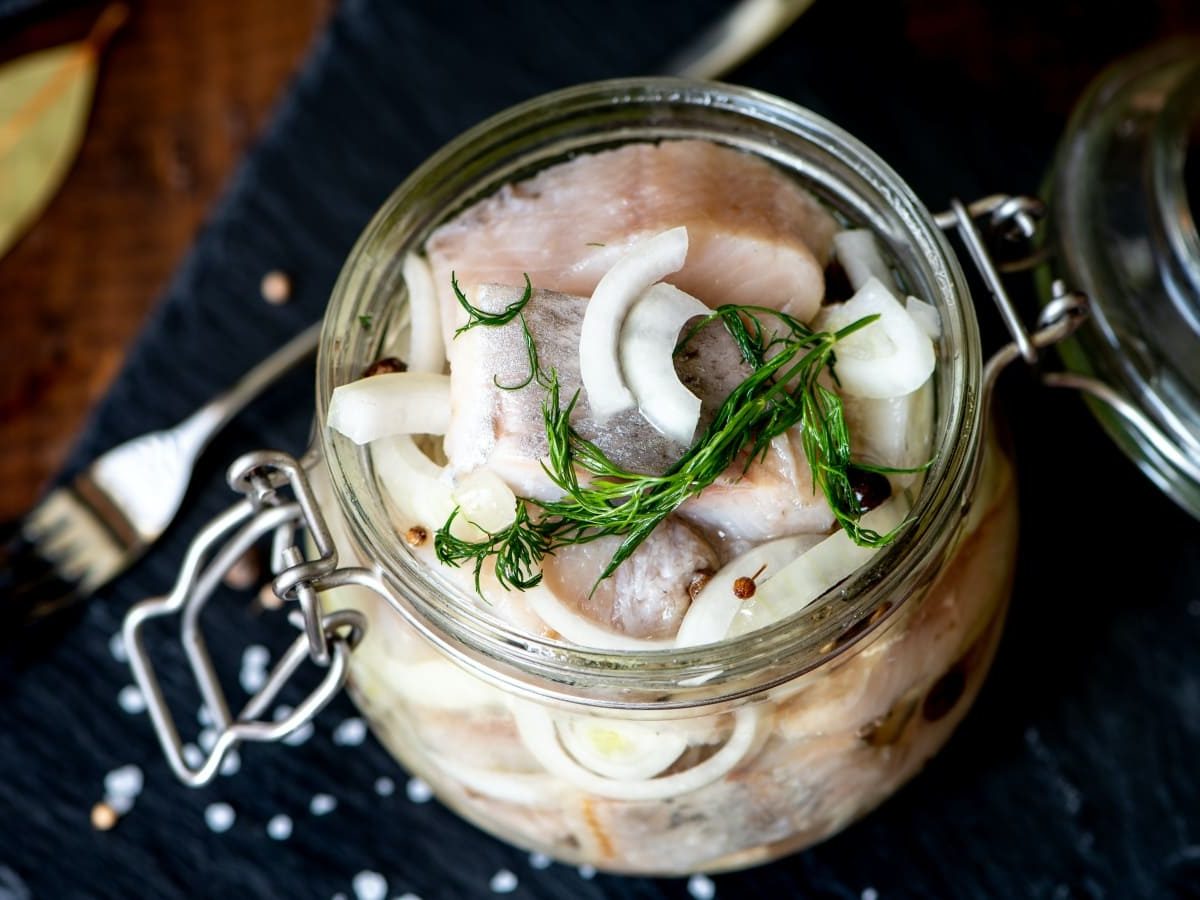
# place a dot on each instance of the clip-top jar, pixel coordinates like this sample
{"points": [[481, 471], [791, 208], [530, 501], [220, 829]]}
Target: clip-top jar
{"points": [[766, 742]]}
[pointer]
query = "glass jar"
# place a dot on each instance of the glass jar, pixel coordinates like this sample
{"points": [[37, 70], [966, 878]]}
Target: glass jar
{"points": [[1123, 196], [746, 749]]}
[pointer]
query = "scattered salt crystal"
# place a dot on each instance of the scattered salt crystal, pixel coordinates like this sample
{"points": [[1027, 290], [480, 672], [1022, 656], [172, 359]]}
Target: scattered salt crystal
{"points": [[408, 895], [252, 680], [586, 872], [350, 733], [204, 717], [300, 735], [701, 887], [279, 827], [119, 803], [282, 712], [131, 700], [870, 894], [116, 646], [503, 882], [256, 656], [321, 804], [418, 791], [192, 756], [540, 860], [219, 817], [384, 786], [338, 896], [369, 886], [124, 782], [231, 763], [207, 739]]}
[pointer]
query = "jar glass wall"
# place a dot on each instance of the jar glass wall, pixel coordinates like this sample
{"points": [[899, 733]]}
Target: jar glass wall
{"points": [[710, 757]]}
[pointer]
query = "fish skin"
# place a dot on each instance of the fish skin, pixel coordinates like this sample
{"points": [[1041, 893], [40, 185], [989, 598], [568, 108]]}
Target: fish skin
{"points": [[756, 237]]}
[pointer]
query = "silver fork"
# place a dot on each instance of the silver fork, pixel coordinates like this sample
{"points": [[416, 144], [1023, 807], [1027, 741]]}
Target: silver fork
{"points": [[87, 532]]}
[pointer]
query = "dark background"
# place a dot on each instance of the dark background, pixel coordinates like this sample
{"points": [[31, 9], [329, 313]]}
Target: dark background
{"points": [[1074, 776]]}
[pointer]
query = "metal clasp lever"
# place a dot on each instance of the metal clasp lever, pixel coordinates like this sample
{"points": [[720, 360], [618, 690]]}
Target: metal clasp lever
{"points": [[1013, 219], [327, 639]]}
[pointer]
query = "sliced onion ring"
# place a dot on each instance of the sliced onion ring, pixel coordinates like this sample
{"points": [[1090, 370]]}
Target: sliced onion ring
{"points": [[540, 737], [426, 349], [858, 252], [647, 350], [890, 357], [826, 565], [627, 751], [393, 403], [647, 262], [581, 631], [708, 618]]}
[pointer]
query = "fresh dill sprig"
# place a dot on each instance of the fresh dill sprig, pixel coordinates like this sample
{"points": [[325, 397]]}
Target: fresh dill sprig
{"points": [[477, 316], [782, 391]]}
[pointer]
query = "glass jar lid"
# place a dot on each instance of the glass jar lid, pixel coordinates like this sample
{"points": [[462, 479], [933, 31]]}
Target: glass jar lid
{"points": [[1122, 193]]}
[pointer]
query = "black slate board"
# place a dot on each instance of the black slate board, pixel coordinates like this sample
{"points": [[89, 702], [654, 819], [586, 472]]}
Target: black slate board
{"points": [[1074, 776]]}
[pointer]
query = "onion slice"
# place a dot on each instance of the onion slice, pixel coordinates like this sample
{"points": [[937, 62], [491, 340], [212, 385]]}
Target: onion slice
{"points": [[827, 564], [417, 486], [926, 316], [579, 630], [858, 252], [628, 751], [888, 358], [426, 350], [393, 403], [541, 738], [647, 351], [647, 262], [708, 618]]}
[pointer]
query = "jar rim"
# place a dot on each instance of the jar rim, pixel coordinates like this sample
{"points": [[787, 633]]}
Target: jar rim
{"points": [[739, 666]]}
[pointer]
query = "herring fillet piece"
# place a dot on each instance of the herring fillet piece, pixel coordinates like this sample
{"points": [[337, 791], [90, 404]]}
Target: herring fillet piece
{"points": [[756, 237], [505, 429]]}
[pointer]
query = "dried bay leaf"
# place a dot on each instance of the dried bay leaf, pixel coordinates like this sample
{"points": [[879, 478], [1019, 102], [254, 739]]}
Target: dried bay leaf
{"points": [[45, 98]]}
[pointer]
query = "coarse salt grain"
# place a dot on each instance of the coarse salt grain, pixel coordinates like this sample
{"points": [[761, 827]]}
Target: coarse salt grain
{"points": [[586, 872], [408, 895], [192, 756], [384, 786], [503, 882], [116, 646], [130, 699], [252, 680], [540, 860], [126, 781], [207, 739], [369, 886], [219, 817], [231, 763], [870, 894], [279, 827], [350, 732], [701, 887], [120, 803], [256, 656], [204, 717], [418, 791], [322, 804]]}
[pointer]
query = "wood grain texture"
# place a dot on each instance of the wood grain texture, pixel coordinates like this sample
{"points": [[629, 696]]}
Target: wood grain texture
{"points": [[183, 90]]}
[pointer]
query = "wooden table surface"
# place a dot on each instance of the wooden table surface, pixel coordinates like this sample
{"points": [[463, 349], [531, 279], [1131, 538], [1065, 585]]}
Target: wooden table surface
{"points": [[183, 90]]}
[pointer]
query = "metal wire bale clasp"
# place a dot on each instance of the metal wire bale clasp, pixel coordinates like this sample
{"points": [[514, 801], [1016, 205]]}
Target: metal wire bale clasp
{"points": [[327, 639]]}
